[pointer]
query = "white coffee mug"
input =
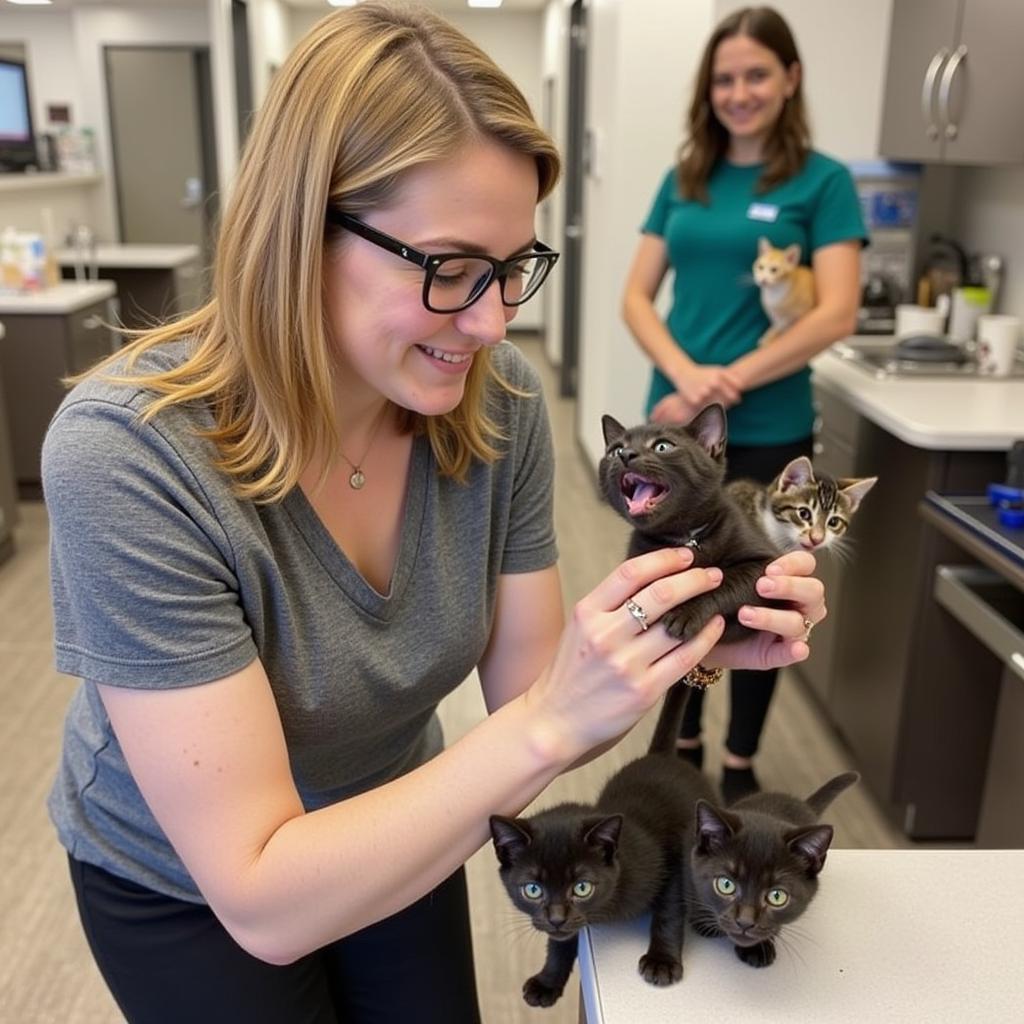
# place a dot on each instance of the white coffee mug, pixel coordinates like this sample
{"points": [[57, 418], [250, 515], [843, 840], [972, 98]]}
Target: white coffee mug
{"points": [[998, 335], [918, 320]]}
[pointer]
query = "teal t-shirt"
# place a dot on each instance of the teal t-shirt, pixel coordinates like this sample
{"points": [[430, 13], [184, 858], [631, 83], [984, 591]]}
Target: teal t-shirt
{"points": [[716, 314]]}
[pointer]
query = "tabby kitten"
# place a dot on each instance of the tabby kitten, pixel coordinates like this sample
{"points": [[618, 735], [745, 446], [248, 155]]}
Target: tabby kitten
{"points": [[787, 289], [574, 865], [666, 480], [754, 867], [800, 510]]}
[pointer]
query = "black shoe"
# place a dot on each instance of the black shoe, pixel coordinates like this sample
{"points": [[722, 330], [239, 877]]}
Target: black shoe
{"points": [[738, 783], [695, 755]]}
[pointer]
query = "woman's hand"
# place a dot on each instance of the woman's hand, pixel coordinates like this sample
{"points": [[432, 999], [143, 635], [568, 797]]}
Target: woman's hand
{"points": [[782, 632], [699, 387], [609, 670]]}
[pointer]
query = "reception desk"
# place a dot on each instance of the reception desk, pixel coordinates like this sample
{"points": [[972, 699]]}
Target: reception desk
{"points": [[893, 935]]}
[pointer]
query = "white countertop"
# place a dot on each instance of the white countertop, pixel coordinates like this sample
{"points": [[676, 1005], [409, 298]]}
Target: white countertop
{"points": [[893, 935], [20, 182], [65, 297], [132, 256], [972, 414]]}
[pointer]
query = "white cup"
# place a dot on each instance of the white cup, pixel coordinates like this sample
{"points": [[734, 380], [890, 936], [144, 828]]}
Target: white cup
{"points": [[997, 344], [918, 320]]}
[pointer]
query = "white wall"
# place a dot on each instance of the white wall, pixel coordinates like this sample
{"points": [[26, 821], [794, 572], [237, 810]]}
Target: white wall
{"points": [[642, 58], [270, 39]]}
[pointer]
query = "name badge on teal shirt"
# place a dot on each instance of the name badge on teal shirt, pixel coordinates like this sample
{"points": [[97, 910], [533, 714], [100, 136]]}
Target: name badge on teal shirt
{"points": [[763, 211]]}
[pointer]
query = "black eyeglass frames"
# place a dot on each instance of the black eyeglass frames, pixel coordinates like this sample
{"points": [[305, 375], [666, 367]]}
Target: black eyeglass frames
{"points": [[454, 280]]}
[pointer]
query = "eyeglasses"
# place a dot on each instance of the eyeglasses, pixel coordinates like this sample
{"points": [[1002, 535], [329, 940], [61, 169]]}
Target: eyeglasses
{"points": [[454, 281]]}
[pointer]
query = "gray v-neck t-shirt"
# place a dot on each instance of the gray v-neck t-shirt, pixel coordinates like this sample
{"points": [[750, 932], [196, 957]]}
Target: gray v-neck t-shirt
{"points": [[163, 578]]}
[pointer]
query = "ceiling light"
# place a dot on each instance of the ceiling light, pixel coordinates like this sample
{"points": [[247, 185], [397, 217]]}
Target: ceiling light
{"points": [[343, 3], [484, 3], [31, 3]]}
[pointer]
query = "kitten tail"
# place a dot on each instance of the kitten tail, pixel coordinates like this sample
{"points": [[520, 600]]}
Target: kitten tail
{"points": [[821, 798], [670, 719]]}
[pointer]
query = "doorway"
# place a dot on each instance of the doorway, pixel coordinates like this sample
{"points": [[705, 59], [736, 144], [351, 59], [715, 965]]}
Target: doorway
{"points": [[575, 172], [160, 102]]}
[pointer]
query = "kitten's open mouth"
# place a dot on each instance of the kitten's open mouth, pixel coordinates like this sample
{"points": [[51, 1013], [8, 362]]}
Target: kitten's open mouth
{"points": [[642, 494]]}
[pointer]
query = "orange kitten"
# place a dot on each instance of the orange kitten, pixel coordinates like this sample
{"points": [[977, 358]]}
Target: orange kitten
{"points": [[787, 289]]}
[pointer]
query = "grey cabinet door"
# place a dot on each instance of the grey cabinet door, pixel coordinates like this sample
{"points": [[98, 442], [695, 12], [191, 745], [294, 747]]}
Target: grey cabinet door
{"points": [[922, 38], [986, 85]]}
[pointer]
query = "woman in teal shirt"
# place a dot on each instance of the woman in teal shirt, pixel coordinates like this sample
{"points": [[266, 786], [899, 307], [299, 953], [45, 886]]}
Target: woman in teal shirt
{"points": [[745, 171]]}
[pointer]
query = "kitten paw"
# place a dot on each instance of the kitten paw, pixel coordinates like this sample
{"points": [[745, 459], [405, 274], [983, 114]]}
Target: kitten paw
{"points": [[538, 992], [761, 955], [679, 623], [660, 969]]}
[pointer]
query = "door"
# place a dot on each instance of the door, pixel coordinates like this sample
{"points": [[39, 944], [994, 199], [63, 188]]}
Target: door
{"points": [[572, 244], [982, 89], [922, 39], [160, 117]]}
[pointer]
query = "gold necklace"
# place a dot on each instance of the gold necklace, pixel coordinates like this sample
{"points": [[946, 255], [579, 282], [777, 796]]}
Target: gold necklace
{"points": [[357, 480]]}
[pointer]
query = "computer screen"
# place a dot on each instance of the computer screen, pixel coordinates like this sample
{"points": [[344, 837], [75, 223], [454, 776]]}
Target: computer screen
{"points": [[15, 118]]}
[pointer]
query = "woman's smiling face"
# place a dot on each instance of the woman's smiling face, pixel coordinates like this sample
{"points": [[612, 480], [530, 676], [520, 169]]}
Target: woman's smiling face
{"points": [[749, 87], [481, 199]]}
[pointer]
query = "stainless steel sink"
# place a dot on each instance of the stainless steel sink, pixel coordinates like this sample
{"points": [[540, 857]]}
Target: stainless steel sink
{"points": [[881, 360]]}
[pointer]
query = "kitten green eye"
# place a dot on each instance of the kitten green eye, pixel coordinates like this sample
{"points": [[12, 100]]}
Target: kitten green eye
{"points": [[834, 523], [725, 886], [777, 898], [532, 891], [805, 514], [616, 451], [662, 446], [583, 890]]}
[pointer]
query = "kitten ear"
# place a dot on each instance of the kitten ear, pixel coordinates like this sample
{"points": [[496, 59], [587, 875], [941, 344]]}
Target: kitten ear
{"points": [[763, 245], [855, 489], [792, 254], [603, 833], [714, 827], [797, 473], [809, 845], [511, 837], [708, 427], [612, 428]]}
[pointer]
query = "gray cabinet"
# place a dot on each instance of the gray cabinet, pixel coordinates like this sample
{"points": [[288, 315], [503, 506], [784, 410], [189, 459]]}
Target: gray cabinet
{"points": [[890, 677], [954, 82], [38, 351], [8, 496], [148, 295]]}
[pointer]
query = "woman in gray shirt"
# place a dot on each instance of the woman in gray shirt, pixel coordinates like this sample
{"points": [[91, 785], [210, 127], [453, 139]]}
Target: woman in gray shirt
{"points": [[285, 526]]}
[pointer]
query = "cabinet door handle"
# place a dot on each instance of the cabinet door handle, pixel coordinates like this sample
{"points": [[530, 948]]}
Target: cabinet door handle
{"points": [[928, 93], [91, 322], [946, 86]]}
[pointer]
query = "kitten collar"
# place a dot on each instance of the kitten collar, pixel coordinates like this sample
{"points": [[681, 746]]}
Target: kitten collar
{"points": [[693, 538]]}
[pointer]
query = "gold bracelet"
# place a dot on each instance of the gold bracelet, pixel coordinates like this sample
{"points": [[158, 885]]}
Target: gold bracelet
{"points": [[700, 678]]}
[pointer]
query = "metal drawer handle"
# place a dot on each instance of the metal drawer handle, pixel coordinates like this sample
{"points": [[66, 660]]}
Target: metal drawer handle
{"points": [[946, 86], [928, 93]]}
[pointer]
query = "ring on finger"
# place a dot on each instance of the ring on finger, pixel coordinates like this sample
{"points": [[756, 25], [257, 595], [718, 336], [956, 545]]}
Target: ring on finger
{"points": [[638, 613], [808, 626]]}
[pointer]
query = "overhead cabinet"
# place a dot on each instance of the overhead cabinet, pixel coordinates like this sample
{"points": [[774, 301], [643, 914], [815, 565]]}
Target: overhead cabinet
{"points": [[955, 82]]}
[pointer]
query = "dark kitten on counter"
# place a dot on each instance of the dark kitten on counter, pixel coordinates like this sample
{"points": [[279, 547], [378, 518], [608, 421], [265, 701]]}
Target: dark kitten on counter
{"points": [[574, 864], [754, 867], [801, 509], [666, 480]]}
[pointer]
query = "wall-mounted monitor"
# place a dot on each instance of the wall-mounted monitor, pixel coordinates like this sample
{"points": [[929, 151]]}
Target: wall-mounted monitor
{"points": [[17, 140]]}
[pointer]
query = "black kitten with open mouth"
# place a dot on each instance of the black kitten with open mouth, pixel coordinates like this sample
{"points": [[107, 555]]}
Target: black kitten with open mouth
{"points": [[666, 481]]}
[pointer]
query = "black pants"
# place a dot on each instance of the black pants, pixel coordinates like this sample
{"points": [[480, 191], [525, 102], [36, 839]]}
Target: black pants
{"points": [[750, 693], [170, 962]]}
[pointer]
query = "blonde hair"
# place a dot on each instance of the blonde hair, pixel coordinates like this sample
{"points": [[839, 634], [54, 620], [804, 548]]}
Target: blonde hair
{"points": [[369, 93]]}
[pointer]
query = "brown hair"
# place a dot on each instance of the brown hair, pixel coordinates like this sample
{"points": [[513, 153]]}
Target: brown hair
{"points": [[367, 94], [707, 141]]}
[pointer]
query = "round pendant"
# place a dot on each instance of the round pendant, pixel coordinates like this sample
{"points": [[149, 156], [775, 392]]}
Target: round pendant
{"points": [[357, 480]]}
